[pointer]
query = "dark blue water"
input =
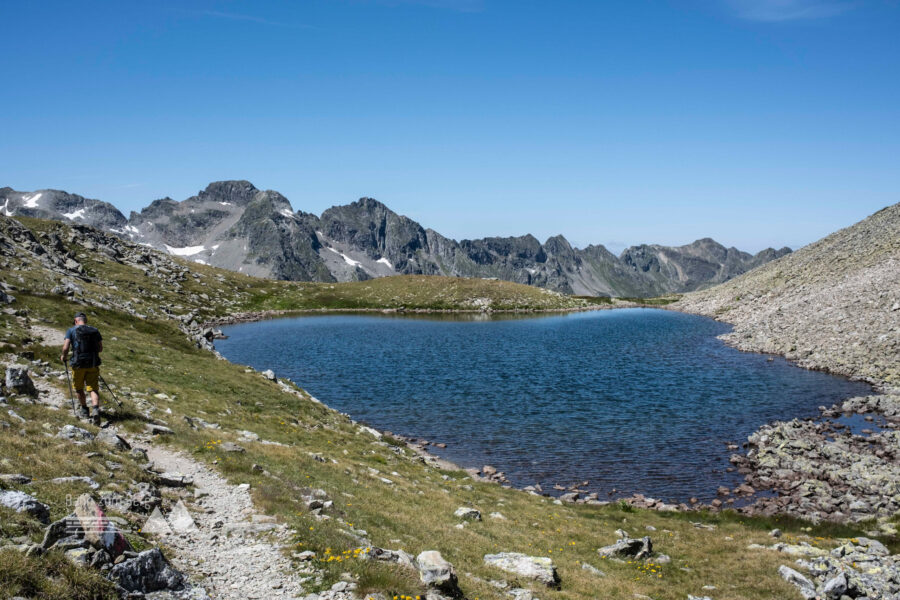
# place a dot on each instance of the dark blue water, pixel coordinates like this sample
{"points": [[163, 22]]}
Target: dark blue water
{"points": [[636, 400]]}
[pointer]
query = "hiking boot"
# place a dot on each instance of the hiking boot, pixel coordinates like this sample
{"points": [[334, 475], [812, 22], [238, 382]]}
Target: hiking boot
{"points": [[95, 416], [83, 413]]}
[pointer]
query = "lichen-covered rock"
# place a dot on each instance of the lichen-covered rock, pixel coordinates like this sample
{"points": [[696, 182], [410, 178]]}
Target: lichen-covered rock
{"points": [[438, 574], [538, 568], [806, 587]]}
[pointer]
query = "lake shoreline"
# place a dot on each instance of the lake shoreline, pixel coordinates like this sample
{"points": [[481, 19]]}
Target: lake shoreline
{"points": [[265, 315], [816, 468]]}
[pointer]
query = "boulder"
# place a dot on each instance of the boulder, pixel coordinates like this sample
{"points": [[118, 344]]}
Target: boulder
{"points": [[17, 379], [149, 571], [231, 447], [113, 440], [269, 374], [835, 587], [628, 547], [539, 568], [57, 530], [99, 531], [22, 502], [75, 434], [467, 514], [437, 573], [806, 587]]}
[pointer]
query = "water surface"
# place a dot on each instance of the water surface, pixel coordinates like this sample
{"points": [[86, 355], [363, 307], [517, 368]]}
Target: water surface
{"points": [[632, 400]]}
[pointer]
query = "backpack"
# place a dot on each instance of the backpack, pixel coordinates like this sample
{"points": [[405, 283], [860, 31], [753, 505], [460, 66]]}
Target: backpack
{"points": [[86, 347]]}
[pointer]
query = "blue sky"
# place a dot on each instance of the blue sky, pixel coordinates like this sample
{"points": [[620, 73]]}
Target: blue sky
{"points": [[757, 122]]}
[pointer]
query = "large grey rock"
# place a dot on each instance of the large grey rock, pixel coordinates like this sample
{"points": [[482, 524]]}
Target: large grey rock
{"points": [[807, 588], [22, 502], [437, 573], [112, 439], [67, 526], [18, 380], [99, 531], [835, 587], [538, 568], [628, 547], [467, 514], [148, 572], [75, 434]]}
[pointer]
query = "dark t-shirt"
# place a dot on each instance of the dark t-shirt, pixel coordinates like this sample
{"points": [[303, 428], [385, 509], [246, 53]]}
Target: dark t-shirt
{"points": [[70, 335]]}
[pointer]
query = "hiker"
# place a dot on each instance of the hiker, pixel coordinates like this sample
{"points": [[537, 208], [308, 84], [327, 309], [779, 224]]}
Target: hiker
{"points": [[86, 344]]}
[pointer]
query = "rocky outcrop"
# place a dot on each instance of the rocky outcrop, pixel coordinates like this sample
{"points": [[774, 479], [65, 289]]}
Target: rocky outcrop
{"points": [[857, 568], [234, 225]]}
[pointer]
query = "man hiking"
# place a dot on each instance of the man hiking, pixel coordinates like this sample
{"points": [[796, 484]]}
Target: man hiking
{"points": [[86, 344]]}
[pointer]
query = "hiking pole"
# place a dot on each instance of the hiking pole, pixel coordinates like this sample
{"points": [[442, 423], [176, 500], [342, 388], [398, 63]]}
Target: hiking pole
{"points": [[71, 393], [109, 389]]}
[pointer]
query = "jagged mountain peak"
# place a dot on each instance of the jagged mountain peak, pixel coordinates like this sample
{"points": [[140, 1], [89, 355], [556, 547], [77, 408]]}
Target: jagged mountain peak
{"points": [[234, 225], [239, 191]]}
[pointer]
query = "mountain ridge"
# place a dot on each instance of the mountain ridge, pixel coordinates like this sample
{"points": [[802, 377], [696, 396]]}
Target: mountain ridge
{"points": [[233, 225]]}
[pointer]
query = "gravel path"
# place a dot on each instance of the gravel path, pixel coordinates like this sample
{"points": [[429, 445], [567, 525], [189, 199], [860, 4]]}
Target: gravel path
{"points": [[234, 552]]}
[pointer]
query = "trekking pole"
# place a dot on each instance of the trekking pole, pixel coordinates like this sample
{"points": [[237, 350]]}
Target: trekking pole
{"points": [[71, 393], [109, 389]]}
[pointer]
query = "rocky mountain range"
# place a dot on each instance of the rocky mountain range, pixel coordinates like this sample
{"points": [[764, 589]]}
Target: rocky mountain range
{"points": [[234, 225]]}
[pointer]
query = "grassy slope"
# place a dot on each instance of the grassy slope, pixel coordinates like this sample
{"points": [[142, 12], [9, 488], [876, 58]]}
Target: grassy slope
{"points": [[144, 357]]}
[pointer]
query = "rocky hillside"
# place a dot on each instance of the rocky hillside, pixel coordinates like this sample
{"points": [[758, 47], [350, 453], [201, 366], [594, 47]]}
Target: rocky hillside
{"points": [[233, 225], [832, 305]]}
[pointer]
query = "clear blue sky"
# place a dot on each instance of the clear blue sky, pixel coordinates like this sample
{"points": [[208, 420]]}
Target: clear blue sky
{"points": [[757, 122]]}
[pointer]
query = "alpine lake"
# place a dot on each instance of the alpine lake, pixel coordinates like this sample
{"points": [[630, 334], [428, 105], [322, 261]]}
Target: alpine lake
{"points": [[630, 400]]}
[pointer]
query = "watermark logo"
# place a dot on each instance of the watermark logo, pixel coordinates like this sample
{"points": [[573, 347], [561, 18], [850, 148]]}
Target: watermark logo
{"points": [[102, 526], [179, 520]]}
